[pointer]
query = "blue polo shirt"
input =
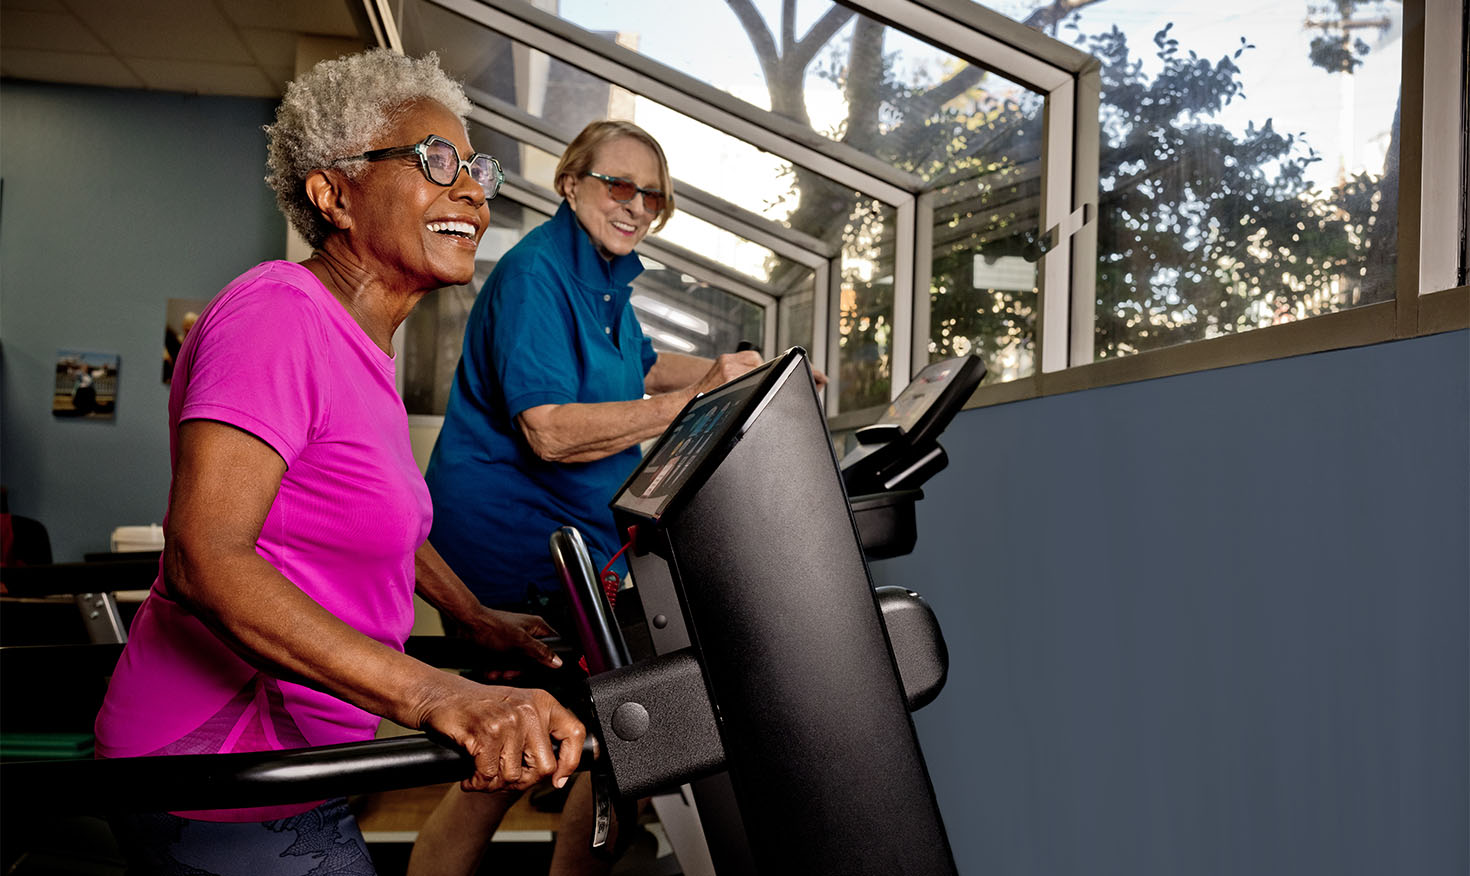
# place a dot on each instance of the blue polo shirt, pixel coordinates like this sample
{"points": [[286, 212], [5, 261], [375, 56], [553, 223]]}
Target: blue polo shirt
{"points": [[552, 325]]}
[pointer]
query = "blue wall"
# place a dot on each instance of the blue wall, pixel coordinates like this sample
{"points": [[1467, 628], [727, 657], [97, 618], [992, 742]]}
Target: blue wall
{"points": [[1209, 624], [113, 202]]}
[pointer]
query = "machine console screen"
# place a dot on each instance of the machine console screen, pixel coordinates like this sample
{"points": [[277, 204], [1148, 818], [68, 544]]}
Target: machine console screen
{"points": [[700, 431]]}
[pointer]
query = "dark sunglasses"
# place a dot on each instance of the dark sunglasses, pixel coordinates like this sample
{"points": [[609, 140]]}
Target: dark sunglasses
{"points": [[623, 190], [440, 162]]}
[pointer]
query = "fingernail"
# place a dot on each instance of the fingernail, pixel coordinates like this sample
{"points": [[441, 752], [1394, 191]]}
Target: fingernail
{"points": [[560, 782], [555, 661]]}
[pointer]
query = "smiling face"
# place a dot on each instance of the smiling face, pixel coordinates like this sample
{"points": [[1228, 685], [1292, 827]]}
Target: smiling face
{"points": [[615, 228], [410, 231]]}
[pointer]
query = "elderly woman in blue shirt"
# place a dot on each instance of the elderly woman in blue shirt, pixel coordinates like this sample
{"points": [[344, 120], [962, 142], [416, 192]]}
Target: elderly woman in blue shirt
{"points": [[556, 387]]}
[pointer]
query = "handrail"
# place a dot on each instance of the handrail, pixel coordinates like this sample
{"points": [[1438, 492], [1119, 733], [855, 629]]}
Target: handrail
{"points": [[229, 781]]}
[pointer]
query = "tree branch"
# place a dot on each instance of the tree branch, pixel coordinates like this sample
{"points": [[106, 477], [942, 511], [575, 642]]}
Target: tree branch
{"points": [[760, 38], [819, 34]]}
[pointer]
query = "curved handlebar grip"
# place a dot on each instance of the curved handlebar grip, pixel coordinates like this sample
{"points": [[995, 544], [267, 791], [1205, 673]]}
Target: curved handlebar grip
{"points": [[235, 781], [602, 641]]}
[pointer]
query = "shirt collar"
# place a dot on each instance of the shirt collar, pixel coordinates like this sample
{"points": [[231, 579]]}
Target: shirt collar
{"points": [[587, 265]]}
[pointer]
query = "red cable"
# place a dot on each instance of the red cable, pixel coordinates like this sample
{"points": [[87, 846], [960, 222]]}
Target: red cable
{"points": [[610, 580]]}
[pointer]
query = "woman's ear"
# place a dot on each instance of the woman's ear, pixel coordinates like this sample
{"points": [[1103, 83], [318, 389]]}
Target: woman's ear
{"points": [[327, 190], [566, 188]]}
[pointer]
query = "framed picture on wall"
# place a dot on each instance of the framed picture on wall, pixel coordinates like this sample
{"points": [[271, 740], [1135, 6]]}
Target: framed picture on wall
{"points": [[86, 385]]}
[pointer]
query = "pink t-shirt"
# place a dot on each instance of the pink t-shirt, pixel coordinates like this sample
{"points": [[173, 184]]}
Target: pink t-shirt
{"points": [[276, 355]]}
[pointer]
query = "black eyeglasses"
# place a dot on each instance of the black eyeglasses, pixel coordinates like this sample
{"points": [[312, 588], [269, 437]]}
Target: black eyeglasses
{"points": [[623, 190], [440, 162]]}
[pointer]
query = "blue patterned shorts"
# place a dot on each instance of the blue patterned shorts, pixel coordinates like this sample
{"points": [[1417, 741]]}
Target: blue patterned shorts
{"points": [[324, 841]]}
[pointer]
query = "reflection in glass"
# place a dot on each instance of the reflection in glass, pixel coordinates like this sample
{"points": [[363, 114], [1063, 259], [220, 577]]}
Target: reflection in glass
{"points": [[1249, 163], [568, 98], [679, 313], [865, 309], [796, 326], [983, 280], [844, 75]]}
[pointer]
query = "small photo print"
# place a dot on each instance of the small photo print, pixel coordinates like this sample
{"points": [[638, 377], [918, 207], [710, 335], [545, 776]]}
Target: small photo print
{"points": [[180, 317], [86, 385]]}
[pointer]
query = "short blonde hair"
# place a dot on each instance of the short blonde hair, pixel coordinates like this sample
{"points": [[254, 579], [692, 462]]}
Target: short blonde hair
{"points": [[580, 154]]}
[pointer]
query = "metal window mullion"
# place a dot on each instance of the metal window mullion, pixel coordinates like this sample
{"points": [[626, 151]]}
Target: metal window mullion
{"points": [[1014, 34], [497, 119], [1087, 137], [821, 293], [1443, 199], [698, 100], [900, 360], [526, 193], [923, 277], [768, 322], [746, 231], [833, 322], [386, 32], [972, 43], [1054, 322], [706, 271], [804, 249]]}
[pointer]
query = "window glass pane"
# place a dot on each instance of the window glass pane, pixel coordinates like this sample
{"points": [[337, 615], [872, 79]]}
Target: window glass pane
{"points": [[918, 108], [865, 309], [795, 326], [1249, 161], [568, 98], [986, 224], [678, 312], [848, 77]]}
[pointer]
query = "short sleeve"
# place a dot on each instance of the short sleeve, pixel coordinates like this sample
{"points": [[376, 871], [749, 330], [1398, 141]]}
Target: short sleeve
{"points": [[252, 364], [532, 343]]}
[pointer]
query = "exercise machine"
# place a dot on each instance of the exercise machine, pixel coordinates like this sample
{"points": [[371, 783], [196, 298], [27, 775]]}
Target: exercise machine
{"points": [[896, 455], [770, 686]]}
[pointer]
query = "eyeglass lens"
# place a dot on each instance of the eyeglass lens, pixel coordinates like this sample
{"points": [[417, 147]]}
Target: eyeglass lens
{"points": [[623, 190], [443, 162]]}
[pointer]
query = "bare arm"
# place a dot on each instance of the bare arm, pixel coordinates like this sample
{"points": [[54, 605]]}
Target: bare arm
{"points": [[225, 481], [502, 631], [588, 432], [673, 371]]}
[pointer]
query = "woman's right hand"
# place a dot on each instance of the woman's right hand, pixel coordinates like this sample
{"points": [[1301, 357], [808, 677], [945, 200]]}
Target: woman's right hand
{"points": [[727, 367], [508, 731]]}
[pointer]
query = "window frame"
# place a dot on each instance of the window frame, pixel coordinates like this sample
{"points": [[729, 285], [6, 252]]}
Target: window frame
{"points": [[1431, 295]]}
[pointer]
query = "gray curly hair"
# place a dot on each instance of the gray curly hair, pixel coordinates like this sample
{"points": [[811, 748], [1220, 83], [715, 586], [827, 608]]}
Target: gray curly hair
{"points": [[340, 108]]}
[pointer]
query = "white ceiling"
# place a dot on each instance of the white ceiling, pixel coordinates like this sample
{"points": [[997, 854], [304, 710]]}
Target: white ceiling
{"points": [[245, 48]]}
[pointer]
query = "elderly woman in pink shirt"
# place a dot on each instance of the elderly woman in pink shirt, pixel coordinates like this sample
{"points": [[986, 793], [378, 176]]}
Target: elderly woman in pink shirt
{"points": [[297, 520]]}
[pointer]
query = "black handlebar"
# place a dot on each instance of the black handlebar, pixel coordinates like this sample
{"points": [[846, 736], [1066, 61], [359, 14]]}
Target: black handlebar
{"points": [[236, 781], [232, 781], [602, 640]]}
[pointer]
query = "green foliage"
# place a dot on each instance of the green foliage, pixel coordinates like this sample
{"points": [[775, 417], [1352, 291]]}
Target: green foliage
{"points": [[1201, 231]]}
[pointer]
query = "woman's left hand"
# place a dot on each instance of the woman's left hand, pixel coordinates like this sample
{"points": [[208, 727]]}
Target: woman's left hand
{"points": [[506, 632], [503, 632]]}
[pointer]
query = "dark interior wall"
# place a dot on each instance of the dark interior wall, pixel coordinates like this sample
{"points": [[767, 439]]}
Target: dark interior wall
{"points": [[1209, 624], [114, 201]]}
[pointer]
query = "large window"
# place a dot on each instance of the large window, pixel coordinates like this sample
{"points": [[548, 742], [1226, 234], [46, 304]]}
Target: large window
{"points": [[1075, 190], [1248, 161]]}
